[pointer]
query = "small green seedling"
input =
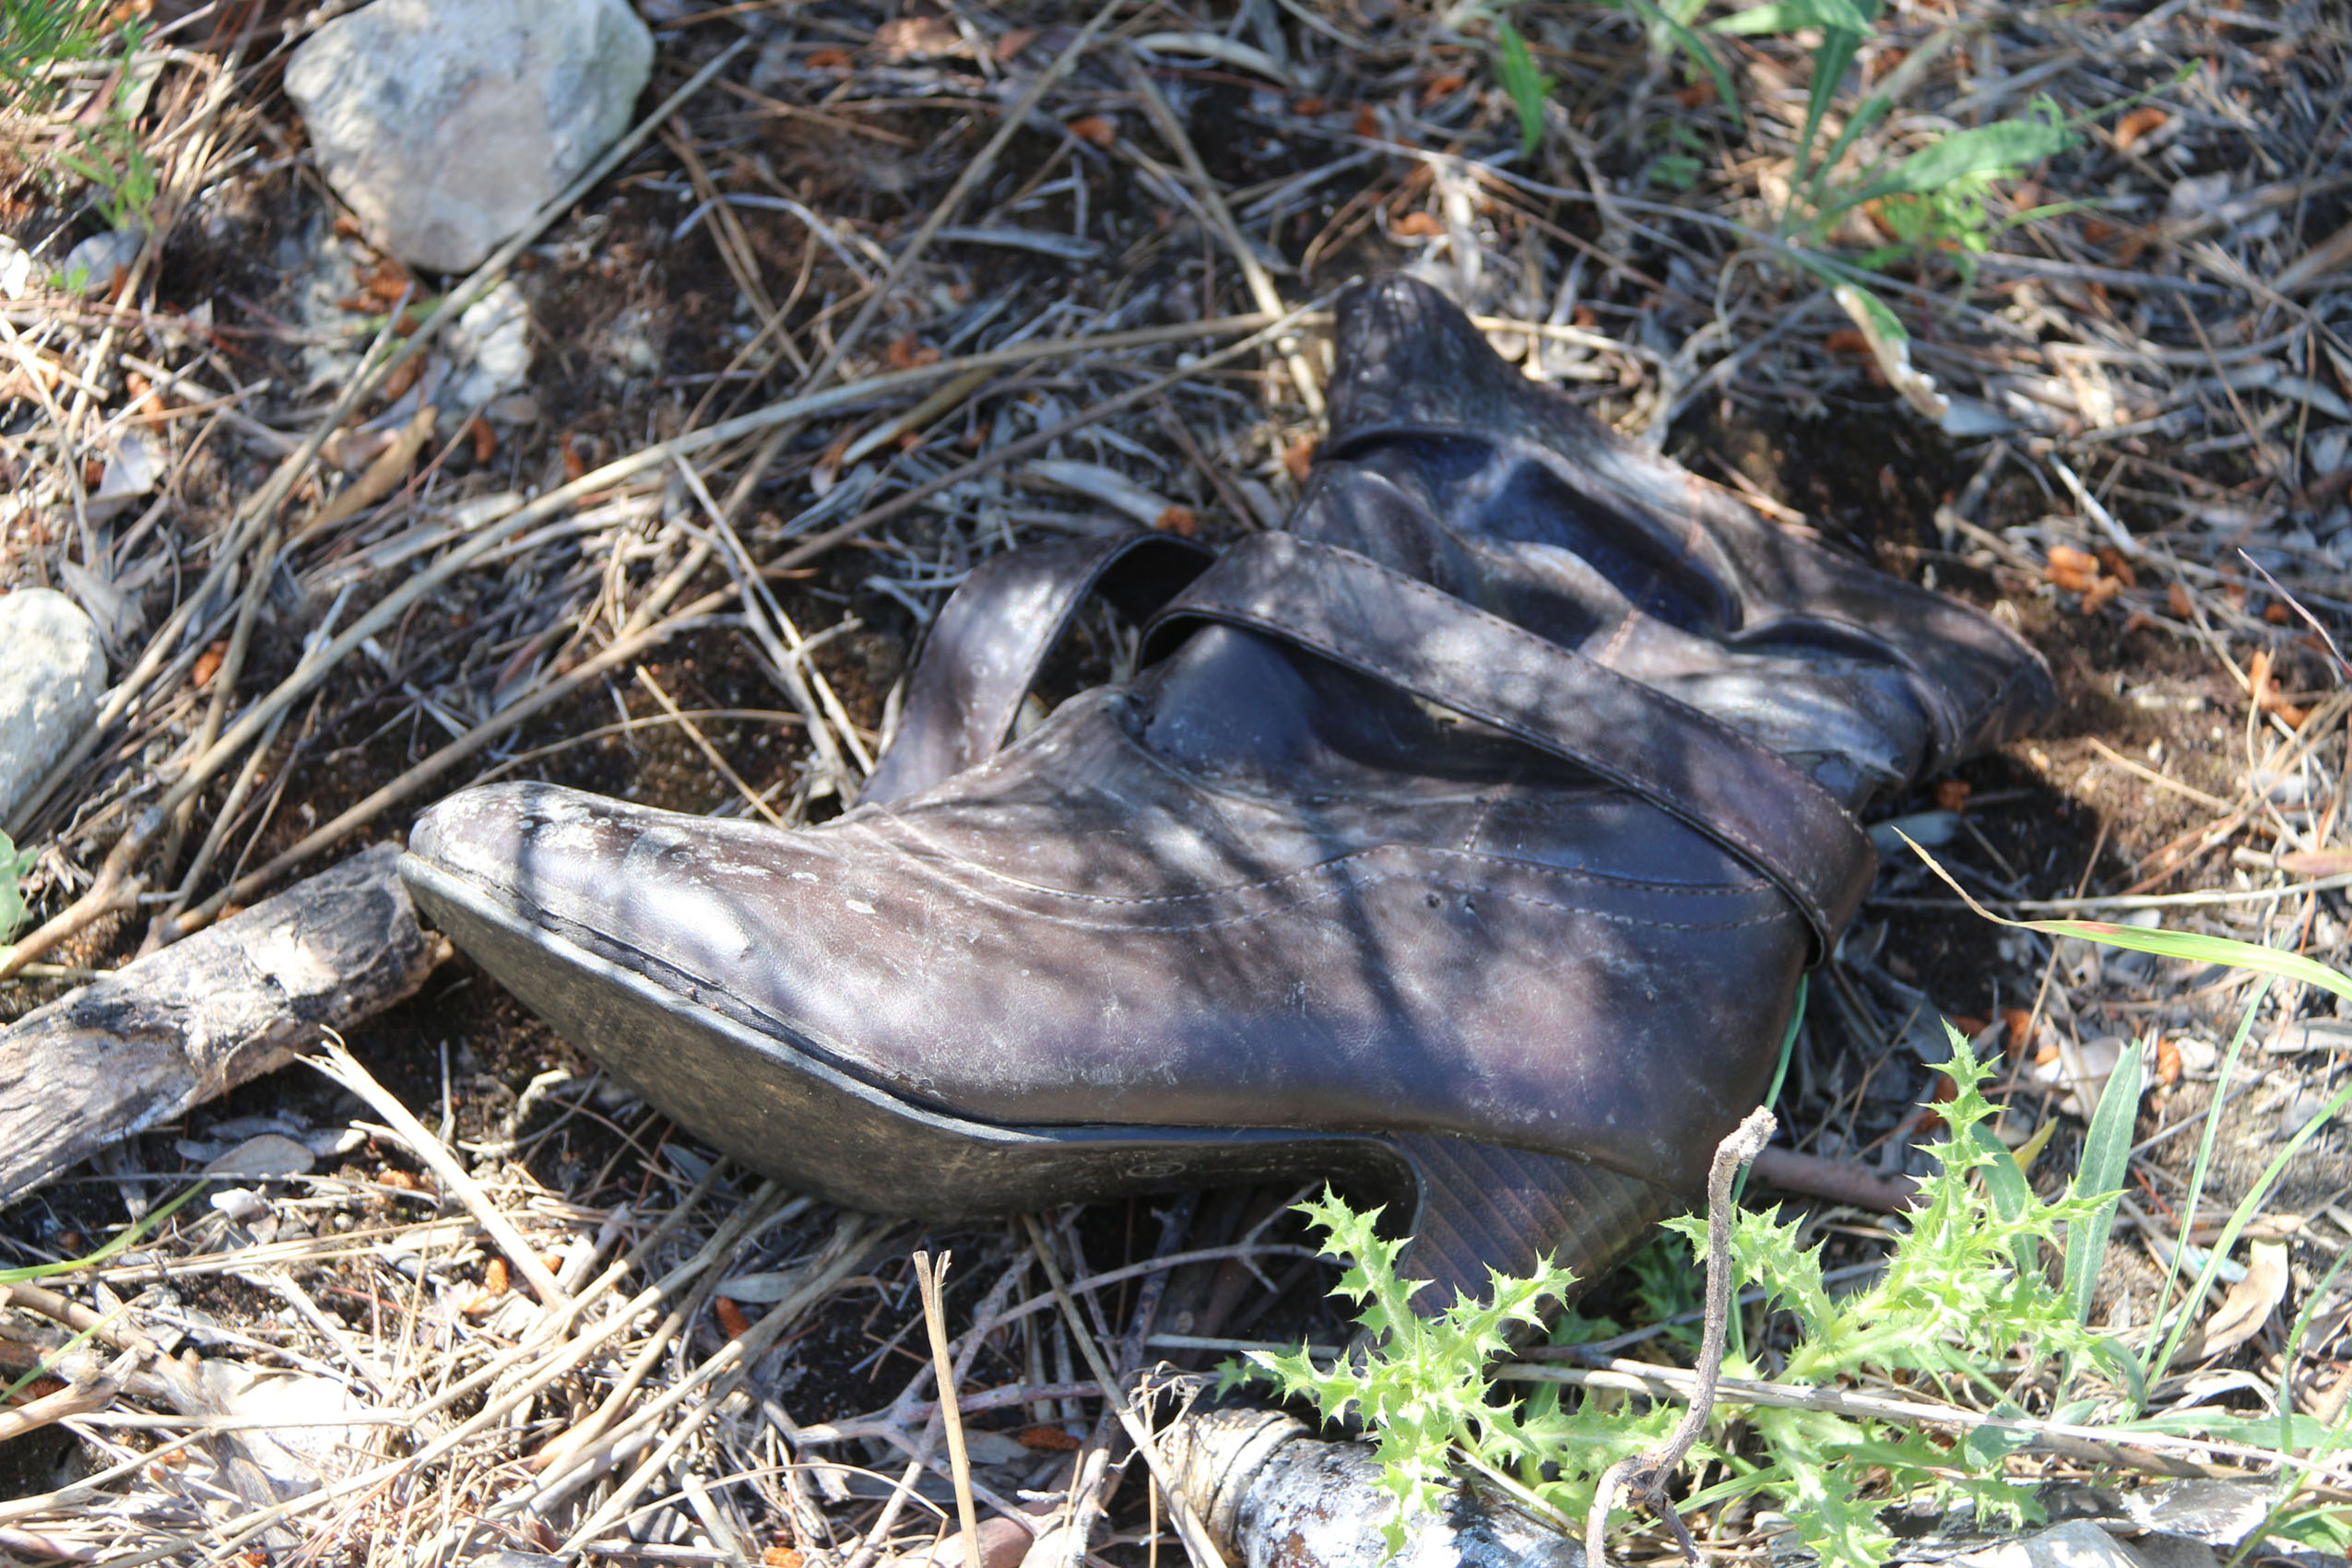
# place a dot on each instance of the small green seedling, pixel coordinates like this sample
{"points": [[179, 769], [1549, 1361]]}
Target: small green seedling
{"points": [[15, 865], [1528, 87]]}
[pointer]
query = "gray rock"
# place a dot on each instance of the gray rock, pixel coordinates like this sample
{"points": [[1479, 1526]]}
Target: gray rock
{"points": [[90, 266], [445, 124], [2077, 1543], [263, 1158], [50, 686]]}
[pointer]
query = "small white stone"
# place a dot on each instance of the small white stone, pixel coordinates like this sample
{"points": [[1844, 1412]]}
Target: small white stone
{"points": [[491, 345], [16, 269], [445, 124], [49, 685], [241, 1204]]}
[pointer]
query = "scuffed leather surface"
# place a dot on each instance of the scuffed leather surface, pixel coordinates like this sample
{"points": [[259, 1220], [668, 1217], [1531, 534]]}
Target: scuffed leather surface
{"points": [[1255, 889], [1402, 633], [1025, 948]]}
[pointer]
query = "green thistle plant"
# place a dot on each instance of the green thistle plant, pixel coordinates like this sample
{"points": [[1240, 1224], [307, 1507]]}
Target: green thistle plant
{"points": [[1964, 1310]]}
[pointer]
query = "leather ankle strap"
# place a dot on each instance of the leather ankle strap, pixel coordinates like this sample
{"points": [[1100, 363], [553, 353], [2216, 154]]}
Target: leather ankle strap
{"points": [[1357, 613], [994, 634]]}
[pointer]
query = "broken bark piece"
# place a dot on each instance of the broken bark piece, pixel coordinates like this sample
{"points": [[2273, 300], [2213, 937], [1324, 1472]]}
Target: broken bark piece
{"points": [[188, 1024], [1271, 1493]]}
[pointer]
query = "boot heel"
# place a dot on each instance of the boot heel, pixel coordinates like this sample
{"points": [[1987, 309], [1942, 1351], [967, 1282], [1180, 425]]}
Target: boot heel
{"points": [[1482, 1208]]}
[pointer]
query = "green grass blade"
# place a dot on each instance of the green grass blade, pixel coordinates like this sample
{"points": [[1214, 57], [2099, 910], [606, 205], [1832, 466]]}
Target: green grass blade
{"points": [[1697, 49], [2188, 945], [2106, 1153], [130, 1236], [1997, 149], [2194, 948], [2294, 1350], [2204, 1145], [2240, 1218], [1528, 87], [1874, 108], [13, 867], [46, 1364], [1838, 50], [1788, 16]]}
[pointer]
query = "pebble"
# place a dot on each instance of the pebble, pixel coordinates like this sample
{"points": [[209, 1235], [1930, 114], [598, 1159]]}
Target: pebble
{"points": [[50, 686], [443, 124], [2078, 1543], [90, 266], [263, 1158], [491, 344]]}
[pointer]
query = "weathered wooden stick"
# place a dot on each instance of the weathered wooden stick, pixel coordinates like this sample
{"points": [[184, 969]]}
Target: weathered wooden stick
{"points": [[188, 1024], [1269, 1491]]}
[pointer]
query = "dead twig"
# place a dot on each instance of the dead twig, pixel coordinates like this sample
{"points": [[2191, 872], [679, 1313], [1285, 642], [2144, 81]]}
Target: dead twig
{"points": [[1646, 1473], [1197, 1543], [344, 1069], [928, 1272]]}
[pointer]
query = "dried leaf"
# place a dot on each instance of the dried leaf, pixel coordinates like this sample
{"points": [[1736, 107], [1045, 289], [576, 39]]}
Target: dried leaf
{"points": [[2168, 1062], [1890, 346], [1097, 130], [1418, 225], [1299, 457], [2018, 1027], [2249, 1303], [208, 665], [1047, 1439], [388, 281], [2139, 123], [2316, 862], [919, 36], [730, 1317], [383, 477], [909, 353]]}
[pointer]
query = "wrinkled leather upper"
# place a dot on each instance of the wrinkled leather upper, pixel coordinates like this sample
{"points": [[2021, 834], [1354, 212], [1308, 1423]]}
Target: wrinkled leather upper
{"points": [[1253, 888]]}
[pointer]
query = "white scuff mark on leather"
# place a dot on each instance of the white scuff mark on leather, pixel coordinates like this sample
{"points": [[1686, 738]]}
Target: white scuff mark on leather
{"points": [[715, 930], [858, 906]]}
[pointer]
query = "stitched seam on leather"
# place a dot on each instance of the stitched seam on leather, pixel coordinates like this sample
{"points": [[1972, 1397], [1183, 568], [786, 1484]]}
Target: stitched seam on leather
{"points": [[1509, 863], [1634, 603], [1487, 808], [1741, 743], [1360, 885]]}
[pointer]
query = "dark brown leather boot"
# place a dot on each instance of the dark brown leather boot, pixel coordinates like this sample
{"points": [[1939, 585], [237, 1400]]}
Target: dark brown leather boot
{"points": [[1465, 839]]}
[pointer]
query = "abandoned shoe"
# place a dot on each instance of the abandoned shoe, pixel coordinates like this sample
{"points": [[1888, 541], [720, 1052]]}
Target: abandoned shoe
{"points": [[1463, 841]]}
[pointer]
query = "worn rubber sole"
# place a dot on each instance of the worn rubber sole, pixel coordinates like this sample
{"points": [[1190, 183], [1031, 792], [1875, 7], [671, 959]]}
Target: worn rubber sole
{"points": [[766, 1100]]}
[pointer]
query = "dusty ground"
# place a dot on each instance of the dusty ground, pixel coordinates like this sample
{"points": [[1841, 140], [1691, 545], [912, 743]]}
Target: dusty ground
{"points": [[2162, 775]]}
